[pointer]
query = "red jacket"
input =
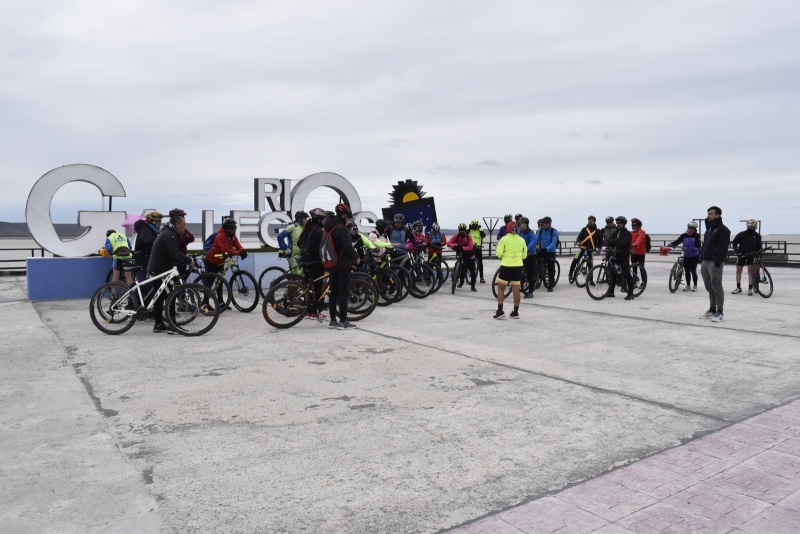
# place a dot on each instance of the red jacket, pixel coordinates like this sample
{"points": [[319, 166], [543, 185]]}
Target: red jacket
{"points": [[638, 242], [223, 244]]}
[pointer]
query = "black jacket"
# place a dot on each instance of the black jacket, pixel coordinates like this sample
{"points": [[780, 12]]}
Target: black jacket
{"points": [[145, 237], [341, 242], [590, 242], [619, 243], [747, 242], [309, 242], [716, 241], [166, 252]]}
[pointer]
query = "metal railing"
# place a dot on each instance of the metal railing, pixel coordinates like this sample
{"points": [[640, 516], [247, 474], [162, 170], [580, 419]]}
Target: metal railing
{"points": [[17, 265]]}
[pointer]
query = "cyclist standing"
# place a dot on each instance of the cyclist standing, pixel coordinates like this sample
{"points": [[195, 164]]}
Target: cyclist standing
{"points": [[146, 232], [477, 234], [340, 275], [164, 255], [512, 250], [529, 261], [619, 247], [462, 242], [588, 240], [638, 243], [292, 232], [502, 230], [224, 243], [309, 241], [436, 241], [690, 241], [745, 245], [415, 243], [119, 247], [186, 238], [547, 243]]}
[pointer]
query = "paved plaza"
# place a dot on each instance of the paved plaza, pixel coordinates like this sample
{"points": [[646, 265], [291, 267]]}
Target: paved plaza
{"points": [[582, 416]]}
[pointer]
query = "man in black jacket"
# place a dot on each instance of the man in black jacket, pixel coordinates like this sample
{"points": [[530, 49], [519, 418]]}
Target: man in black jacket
{"points": [[619, 246], [339, 276], [745, 245], [164, 255], [309, 241], [715, 249]]}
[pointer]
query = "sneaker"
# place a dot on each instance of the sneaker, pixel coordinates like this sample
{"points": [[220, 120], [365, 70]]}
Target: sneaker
{"points": [[159, 328], [687, 288], [483, 281], [611, 296], [514, 315], [499, 314], [333, 324], [694, 288], [718, 318], [472, 288], [629, 297], [708, 315], [528, 296], [750, 292], [736, 291], [347, 325], [172, 331], [549, 289]]}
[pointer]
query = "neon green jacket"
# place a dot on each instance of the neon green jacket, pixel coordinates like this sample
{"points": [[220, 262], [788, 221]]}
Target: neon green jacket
{"points": [[511, 250]]}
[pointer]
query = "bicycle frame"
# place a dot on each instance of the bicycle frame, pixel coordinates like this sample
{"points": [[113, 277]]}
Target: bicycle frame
{"points": [[165, 277]]}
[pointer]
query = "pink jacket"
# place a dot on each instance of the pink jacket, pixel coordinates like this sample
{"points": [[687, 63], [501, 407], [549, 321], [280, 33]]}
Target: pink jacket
{"points": [[464, 243]]}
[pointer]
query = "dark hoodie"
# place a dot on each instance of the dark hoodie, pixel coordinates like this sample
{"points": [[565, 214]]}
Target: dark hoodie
{"points": [[341, 242], [715, 242], [747, 242]]}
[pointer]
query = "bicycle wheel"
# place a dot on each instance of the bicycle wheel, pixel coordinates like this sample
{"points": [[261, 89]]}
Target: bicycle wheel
{"points": [[388, 286], [675, 276], [438, 276], [267, 278], [445, 269], [184, 309], [244, 291], [763, 282], [582, 271], [455, 276], [361, 300], [109, 275], [494, 285], [556, 273], [639, 280], [219, 286], [113, 308], [286, 303], [423, 281], [405, 282], [467, 277], [598, 282]]}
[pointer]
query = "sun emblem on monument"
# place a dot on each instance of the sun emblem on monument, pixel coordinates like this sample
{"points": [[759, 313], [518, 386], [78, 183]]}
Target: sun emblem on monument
{"points": [[406, 192]]}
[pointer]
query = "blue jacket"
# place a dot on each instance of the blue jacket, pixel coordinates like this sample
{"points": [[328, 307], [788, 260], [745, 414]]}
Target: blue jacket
{"points": [[547, 239], [530, 240]]}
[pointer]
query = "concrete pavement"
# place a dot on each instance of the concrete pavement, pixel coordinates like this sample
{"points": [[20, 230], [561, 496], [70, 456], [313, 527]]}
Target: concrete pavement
{"points": [[430, 416]]}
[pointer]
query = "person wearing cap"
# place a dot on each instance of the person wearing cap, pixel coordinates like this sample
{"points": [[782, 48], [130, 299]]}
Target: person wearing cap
{"points": [[512, 251], [587, 242], [185, 238], [690, 241], [547, 243], [339, 276], [292, 232], [146, 233], [619, 247], [745, 245]]}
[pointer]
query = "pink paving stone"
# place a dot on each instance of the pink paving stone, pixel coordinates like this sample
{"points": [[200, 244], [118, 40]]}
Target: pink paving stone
{"points": [[775, 520], [752, 434], [652, 478], [489, 525], [789, 446], [606, 499], [691, 463], [663, 518], [755, 483], [777, 463], [551, 515], [726, 449], [790, 410], [719, 504], [776, 423]]}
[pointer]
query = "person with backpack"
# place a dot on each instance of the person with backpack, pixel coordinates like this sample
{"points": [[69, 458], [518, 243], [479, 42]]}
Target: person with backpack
{"points": [[436, 240], [547, 243], [119, 248], [146, 233], [587, 242], [619, 247], [340, 262], [638, 243], [690, 241], [745, 245], [309, 241], [223, 244], [528, 234]]}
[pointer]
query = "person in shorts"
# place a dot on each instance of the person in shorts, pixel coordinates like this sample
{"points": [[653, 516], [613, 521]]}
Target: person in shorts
{"points": [[511, 250]]}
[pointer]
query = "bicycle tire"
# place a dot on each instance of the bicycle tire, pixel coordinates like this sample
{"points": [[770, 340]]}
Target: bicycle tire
{"points": [[268, 277], [598, 284], [219, 286], [763, 282], [286, 303], [455, 276], [405, 282], [423, 280], [108, 306], [556, 273], [640, 280], [582, 271], [437, 271], [184, 309], [494, 285], [388, 286], [361, 299], [244, 291], [675, 276], [445, 270]]}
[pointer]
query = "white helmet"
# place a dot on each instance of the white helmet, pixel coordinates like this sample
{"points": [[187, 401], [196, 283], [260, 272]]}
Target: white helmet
{"points": [[692, 224]]}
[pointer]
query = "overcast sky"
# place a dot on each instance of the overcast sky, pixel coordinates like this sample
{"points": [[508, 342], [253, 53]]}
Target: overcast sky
{"points": [[649, 109]]}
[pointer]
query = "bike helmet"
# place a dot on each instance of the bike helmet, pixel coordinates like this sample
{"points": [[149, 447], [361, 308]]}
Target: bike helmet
{"points": [[524, 220], [435, 227], [636, 222], [474, 223], [418, 224], [507, 218], [752, 223], [511, 227], [318, 213], [462, 226], [592, 217], [517, 217], [621, 219], [110, 232], [177, 212], [546, 220], [300, 215], [540, 222], [153, 216], [692, 224], [229, 224], [609, 219], [343, 210]]}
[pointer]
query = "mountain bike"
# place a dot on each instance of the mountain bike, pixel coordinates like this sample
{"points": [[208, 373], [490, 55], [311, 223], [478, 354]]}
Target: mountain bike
{"points": [[436, 258], [218, 284], [243, 285], [287, 302], [600, 280], [270, 274], [762, 280], [542, 276], [433, 270], [584, 265], [115, 307], [676, 274]]}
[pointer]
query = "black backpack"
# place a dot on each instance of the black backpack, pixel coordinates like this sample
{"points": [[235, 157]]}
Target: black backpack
{"points": [[647, 245]]}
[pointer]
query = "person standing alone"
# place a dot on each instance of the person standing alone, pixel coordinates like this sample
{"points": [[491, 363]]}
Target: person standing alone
{"points": [[715, 249]]}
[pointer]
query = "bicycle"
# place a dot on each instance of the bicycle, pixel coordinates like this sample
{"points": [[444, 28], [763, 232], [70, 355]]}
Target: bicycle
{"points": [[287, 302], [216, 282], [454, 280], [600, 279], [430, 273], [115, 307], [676, 273], [542, 275], [387, 281], [762, 280], [437, 259], [524, 285], [243, 285], [584, 265], [270, 274]]}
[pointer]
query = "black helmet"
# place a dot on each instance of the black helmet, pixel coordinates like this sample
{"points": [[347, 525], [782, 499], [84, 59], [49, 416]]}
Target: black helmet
{"points": [[399, 217], [609, 219], [507, 218], [517, 217], [636, 222], [229, 224], [462, 226], [381, 224], [524, 220], [418, 224], [300, 215], [547, 220], [540, 221], [318, 213], [110, 232], [592, 217], [343, 209], [621, 219]]}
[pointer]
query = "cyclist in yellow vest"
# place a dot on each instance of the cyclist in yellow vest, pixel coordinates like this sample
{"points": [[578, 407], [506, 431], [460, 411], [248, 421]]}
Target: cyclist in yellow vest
{"points": [[511, 250], [477, 234], [118, 246]]}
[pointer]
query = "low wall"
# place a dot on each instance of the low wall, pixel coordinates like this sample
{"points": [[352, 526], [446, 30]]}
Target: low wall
{"points": [[79, 278]]}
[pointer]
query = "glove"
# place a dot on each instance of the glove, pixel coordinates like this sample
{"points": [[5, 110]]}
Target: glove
{"points": [[243, 254], [285, 253]]}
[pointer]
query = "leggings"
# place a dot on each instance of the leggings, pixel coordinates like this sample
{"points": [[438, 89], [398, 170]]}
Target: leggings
{"points": [[690, 268], [339, 293]]}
